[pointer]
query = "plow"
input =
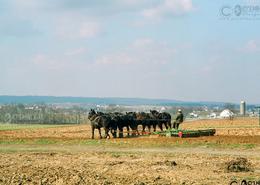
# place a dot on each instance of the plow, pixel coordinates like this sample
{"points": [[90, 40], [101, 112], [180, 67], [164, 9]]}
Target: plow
{"points": [[185, 133]]}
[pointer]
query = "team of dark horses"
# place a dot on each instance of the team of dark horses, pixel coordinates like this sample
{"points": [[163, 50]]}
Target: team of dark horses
{"points": [[115, 122]]}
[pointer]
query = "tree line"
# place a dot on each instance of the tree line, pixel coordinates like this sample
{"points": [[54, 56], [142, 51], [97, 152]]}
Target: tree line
{"points": [[40, 114]]}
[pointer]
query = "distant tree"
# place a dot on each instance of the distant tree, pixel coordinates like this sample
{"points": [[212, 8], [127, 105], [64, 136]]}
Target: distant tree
{"points": [[230, 106]]}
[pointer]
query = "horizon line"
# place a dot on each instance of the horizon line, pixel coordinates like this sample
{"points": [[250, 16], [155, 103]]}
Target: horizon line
{"points": [[144, 98]]}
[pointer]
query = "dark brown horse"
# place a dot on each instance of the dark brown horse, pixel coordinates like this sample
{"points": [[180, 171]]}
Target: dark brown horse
{"points": [[163, 118], [146, 120], [99, 121]]}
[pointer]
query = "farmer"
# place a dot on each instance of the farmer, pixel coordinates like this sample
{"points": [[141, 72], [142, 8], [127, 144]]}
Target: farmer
{"points": [[178, 120]]}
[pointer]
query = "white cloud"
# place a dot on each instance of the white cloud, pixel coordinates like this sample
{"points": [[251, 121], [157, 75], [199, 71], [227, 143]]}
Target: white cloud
{"points": [[75, 52], [153, 12], [141, 51], [39, 59], [77, 30], [252, 46], [46, 62], [71, 60], [143, 42], [89, 29], [54, 18], [118, 58], [26, 4], [54, 63], [90, 8], [17, 28], [168, 7], [206, 69]]}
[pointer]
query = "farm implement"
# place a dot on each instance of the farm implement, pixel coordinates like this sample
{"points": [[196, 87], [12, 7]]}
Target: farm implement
{"points": [[185, 133]]}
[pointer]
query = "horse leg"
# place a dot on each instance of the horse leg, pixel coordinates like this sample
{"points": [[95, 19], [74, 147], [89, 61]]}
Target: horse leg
{"points": [[154, 127], [92, 131], [121, 134], [160, 126], [143, 131], [149, 129], [128, 130], [170, 124], [114, 132], [99, 131], [133, 130], [136, 130], [138, 133], [106, 133], [166, 125]]}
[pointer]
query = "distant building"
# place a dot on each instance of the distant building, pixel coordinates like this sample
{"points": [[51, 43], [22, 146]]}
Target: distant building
{"points": [[193, 115], [226, 114], [29, 108], [243, 108], [213, 115], [163, 109]]}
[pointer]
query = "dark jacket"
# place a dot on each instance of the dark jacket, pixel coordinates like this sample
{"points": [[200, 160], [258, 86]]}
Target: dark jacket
{"points": [[179, 118]]}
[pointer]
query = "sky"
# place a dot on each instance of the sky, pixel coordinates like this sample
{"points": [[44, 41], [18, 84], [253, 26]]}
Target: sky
{"points": [[189, 50]]}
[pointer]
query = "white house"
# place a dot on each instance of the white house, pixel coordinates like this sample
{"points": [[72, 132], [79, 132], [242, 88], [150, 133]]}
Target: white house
{"points": [[213, 115], [193, 115]]}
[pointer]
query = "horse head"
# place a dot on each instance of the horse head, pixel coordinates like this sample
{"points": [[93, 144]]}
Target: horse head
{"points": [[91, 114], [154, 112]]}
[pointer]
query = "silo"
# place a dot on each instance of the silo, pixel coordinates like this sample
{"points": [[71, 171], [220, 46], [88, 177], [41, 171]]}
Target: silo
{"points": [[243, 108]]}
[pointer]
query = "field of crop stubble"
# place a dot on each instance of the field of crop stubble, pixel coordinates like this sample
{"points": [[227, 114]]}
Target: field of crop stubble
{"points": [[66, 155]]}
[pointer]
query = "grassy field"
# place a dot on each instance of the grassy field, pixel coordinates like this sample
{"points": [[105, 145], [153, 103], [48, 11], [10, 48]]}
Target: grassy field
{"points": [[65, 154]]}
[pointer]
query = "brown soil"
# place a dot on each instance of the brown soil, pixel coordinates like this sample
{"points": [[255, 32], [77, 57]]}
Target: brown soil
{"points": [[143, 160], [237, 126], [240, 164], [117, 168]]}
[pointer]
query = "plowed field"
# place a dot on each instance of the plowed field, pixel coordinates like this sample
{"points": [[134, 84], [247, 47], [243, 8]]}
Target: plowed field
{"points": [[66, 155]]}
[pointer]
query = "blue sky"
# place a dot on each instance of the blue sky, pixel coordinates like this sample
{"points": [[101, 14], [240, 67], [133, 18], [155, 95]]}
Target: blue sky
{"points": [[171, 49]]}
